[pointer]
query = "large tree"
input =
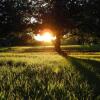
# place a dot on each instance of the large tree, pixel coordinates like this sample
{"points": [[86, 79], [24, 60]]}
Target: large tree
{"points": [[60, 16], [14, 15], [57, 15], [90, 18]]}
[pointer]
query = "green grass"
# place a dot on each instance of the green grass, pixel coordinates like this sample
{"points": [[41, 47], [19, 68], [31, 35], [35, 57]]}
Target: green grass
{"points": [[49, 76]]}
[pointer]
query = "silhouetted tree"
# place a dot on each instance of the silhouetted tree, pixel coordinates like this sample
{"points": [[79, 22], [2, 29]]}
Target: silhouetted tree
{"points": [[57, 15], [60, 16], [89, 18], [14, 15]]}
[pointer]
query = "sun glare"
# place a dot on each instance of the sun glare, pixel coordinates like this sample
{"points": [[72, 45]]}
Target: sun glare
{"points": [[46, 37]]}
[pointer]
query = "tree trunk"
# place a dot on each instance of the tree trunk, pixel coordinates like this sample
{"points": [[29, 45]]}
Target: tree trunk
{"points": [[57, 43]]}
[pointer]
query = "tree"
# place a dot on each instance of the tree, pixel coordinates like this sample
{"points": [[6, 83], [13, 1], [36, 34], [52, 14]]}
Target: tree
{"points": [[60, 16], [14, 15], [90, 18], [57, 15]]}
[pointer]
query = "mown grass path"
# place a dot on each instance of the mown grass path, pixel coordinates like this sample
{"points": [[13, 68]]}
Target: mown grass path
{"points": [[49, 76]]}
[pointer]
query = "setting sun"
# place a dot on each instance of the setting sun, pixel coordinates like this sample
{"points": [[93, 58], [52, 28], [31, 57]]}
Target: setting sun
{"points": [[46, 37]]}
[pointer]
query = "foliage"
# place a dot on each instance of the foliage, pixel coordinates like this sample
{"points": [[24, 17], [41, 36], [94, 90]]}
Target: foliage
{"points": [[80, 38], [89, 18], [61, 16]]}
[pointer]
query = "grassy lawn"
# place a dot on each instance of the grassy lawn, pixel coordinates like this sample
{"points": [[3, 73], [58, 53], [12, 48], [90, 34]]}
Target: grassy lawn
{"points": [[48, 75]]}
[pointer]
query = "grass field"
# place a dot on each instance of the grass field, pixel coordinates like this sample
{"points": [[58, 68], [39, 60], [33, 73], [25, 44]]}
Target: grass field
{"points": [[28, 75]]}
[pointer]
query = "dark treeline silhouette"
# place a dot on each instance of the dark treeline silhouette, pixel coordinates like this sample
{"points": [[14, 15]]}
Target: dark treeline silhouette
{"points": [[60, 16]]}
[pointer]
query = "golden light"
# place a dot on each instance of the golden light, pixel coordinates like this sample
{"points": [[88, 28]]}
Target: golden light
{"points": [[46, 37]]}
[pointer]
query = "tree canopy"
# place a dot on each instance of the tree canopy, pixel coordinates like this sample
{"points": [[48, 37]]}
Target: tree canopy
{"points": [[60, 16], [56, 14]]}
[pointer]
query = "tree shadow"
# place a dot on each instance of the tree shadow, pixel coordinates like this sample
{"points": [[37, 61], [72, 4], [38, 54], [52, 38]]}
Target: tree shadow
{"points": [[42, 49], [90, 76], [63, 53], [27, 50], [89, 70]]}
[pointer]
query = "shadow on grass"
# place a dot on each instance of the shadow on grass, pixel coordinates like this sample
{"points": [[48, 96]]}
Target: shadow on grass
{"points": [[89, 70], [63, 53], [41, 49], [27, 49], [87, 74], [5, 49]]}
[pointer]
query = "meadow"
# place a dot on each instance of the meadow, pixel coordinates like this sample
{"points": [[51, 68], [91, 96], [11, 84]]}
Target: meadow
{"points": [[29, 75]]}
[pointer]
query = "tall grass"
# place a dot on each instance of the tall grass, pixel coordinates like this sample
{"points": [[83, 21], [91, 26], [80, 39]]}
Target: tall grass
{"points": [[48, 76]]}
